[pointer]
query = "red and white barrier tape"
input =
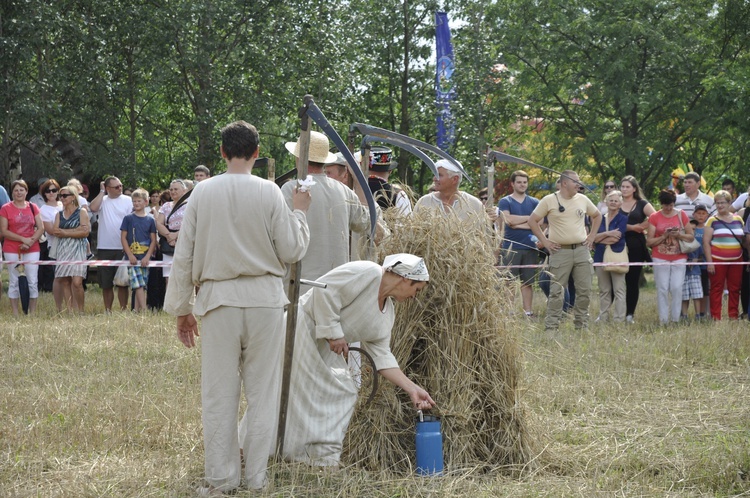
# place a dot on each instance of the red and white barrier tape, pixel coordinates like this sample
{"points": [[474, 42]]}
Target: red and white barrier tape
{"points": [[678, 262], [88, 262], [162, 264]]}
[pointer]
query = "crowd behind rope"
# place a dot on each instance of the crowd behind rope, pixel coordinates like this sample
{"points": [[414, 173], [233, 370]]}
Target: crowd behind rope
{"points": [[55, 225]]}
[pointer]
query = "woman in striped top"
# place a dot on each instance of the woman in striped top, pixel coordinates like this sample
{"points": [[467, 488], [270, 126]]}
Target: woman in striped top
{"points": [[722, 242]]}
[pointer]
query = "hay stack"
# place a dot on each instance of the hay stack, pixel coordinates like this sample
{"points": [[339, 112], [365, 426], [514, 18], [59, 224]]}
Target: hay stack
{"points": [[456, 341]]}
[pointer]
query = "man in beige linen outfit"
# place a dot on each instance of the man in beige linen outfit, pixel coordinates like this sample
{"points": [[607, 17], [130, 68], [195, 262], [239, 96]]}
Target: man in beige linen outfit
{"points": [[448, 199], [236, 236], [335, 211]]}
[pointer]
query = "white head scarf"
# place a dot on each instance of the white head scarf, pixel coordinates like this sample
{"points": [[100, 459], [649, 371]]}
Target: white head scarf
{"points": [[408, 266]]}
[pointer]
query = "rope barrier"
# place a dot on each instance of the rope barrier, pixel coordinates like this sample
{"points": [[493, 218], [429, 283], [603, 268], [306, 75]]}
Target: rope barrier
{"points": [[665, 263], [163, 264], [91, 262]]}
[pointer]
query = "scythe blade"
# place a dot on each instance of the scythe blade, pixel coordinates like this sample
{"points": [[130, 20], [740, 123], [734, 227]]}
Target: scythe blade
{"points": [[317, 115]]}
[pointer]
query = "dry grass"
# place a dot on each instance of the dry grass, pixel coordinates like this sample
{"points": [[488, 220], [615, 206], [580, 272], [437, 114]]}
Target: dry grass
{"points": [[110, 406]]}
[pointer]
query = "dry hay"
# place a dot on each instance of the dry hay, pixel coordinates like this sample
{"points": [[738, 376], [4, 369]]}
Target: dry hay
{"points": [[456, 341]]}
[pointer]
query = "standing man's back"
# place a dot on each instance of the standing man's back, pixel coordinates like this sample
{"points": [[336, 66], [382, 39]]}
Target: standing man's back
{"points": [[236, 236], [334, 213]]}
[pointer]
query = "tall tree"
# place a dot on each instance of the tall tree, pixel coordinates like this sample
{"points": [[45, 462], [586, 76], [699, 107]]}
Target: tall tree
{"points": [[620, 84]]}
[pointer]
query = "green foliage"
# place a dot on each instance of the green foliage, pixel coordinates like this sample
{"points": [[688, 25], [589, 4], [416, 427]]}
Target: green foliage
{"points": [[621, 84]]}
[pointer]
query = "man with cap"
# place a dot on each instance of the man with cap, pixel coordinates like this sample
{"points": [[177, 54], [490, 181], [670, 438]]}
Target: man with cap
{"points": [[447, 198], [334, 212], [569, 247]]}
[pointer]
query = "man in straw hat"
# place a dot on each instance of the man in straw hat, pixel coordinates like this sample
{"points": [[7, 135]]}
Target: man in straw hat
{"points": [[447, 198], [236, 235], [569, 247], [334, 212]]}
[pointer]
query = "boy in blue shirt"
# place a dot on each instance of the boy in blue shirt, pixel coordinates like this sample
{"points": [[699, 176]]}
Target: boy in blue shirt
{"points": [[692, 288], [138, 237]]}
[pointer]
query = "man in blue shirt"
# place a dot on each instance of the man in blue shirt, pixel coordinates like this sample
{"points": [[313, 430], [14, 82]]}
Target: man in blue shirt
{"points": [[519, 244]]}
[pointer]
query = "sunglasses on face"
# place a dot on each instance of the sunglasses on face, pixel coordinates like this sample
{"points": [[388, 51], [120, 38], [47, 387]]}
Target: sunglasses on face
{"points": [[65, 196], [52, 191], [609, 186], [115, 186]]}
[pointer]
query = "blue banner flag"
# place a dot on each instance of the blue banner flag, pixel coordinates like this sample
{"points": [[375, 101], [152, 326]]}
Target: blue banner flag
{"points": [[446, 126]]}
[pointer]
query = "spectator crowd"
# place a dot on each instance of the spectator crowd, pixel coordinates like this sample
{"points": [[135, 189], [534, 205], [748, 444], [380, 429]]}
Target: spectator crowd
{"points": [[554, 240]]}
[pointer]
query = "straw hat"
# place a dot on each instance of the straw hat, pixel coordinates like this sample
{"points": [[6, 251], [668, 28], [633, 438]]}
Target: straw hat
{"points": [[318, 148]]}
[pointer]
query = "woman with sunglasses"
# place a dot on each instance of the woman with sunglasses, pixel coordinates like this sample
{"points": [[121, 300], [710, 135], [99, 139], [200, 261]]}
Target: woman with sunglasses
{"points": [[609, 186], [71, 228], [48, 210], [637, 209]]}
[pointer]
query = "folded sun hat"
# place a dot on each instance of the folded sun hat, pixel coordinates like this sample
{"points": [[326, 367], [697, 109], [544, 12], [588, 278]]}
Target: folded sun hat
{"points": [[318, 152], [340, 160], [446, 164]]}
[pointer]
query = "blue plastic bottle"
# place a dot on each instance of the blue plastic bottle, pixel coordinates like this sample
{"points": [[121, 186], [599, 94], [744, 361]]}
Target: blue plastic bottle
{"points": [[429, 443]]}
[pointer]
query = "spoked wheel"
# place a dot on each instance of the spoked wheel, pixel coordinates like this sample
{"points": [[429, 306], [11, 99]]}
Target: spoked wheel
{"points": [[362, 369]]}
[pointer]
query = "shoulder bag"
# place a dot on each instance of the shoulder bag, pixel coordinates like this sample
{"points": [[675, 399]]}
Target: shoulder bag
{"points": [[685, 246], [164, 246], [616, 262]]}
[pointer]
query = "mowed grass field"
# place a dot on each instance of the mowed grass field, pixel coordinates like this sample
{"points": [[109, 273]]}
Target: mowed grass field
{"points": [[102, 405]]}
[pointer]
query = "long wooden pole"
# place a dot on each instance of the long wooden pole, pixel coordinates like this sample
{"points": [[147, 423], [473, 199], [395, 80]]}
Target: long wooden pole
{"points": [[294, 284]]}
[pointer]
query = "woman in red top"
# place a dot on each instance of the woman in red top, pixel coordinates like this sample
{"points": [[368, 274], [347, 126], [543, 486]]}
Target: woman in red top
{"points": [[669, 269], [21, 226]]}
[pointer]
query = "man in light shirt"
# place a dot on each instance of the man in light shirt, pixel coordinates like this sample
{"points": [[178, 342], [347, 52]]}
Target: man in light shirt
{"points": [[569, 247], [693, 196]]}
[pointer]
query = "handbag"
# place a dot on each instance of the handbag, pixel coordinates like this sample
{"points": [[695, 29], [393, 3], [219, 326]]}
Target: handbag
{"points": [[52, 254], [614, 260], [685, 246], [164, 246], [122, 279]]}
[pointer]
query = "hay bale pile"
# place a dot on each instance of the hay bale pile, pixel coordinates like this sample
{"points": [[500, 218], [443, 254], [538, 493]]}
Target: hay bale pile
{"points": [[457, 341]]}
